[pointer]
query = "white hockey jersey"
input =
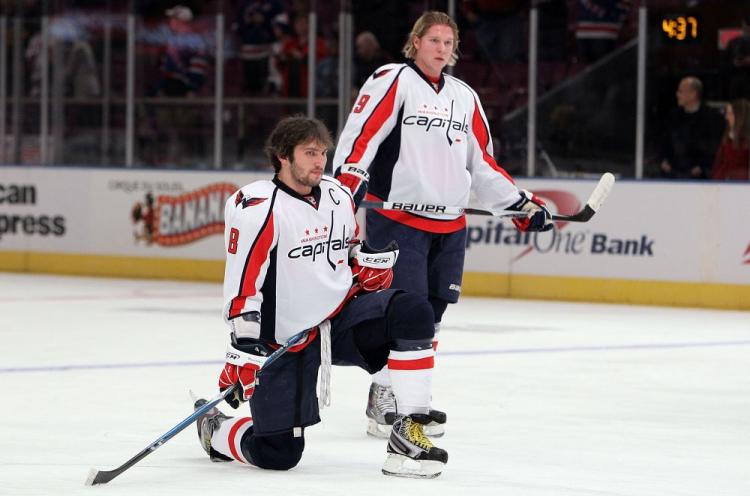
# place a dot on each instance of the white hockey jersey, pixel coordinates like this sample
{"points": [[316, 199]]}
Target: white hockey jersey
{"points": [[423, 145], [287, 257]]}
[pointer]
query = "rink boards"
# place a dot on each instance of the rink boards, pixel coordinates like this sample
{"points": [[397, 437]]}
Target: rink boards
{"points": [[684, 244]]}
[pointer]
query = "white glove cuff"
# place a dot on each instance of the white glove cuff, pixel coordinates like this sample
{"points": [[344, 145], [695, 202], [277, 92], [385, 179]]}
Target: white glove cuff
{"points": [[245, 328], [384, 260], [528, 205], [240, 358]]}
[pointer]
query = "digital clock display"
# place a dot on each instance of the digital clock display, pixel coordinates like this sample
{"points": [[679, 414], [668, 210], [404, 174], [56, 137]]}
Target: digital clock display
{"points": [[680, 28]]}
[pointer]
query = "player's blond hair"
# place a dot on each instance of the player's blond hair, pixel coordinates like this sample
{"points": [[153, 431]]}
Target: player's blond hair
{"points": [[423, 24]]}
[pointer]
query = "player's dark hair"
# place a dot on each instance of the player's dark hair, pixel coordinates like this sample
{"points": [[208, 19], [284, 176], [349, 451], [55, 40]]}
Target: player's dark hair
{"points": [[292, 131]]}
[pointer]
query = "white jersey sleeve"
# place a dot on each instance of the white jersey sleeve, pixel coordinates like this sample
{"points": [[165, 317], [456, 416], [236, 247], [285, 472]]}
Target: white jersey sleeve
{"points": [[249, 236], [372, 118], [492, 185]]}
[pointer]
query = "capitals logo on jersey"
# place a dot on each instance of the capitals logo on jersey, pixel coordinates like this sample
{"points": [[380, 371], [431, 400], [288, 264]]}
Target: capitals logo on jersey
{"points": [[320, 240], [433, 117]]}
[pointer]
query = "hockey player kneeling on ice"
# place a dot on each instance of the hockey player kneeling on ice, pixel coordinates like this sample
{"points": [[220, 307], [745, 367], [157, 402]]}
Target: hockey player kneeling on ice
{"points": [[294, 263]]}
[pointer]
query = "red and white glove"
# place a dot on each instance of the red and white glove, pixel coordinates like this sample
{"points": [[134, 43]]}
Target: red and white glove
{"points": [[538, 219], [373, 269], [354, 178], [241, 368]]}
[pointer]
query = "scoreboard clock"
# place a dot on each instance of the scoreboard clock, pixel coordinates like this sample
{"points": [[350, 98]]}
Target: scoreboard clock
{"points": [[681, 28]]}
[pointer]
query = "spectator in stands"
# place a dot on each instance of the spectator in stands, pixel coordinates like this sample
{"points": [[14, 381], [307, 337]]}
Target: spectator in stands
{"points": [[499, 28], [255, 29], [292, 59], [694, 130], [327, 83], [733, 158], [368, 58], [737, 63], [81, 75], [282, 31], [388, 20], [327, 72], [183, 61], [69, 50], [598, 27], [183, 64]]}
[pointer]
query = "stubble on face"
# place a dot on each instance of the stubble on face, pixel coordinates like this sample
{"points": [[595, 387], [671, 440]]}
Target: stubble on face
{"points": [[308, 179]]}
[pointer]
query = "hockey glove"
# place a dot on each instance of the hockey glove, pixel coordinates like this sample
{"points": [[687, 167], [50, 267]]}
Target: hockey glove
{"points": [[538, 219], [243, 363], [354, 178], [373, 269]]}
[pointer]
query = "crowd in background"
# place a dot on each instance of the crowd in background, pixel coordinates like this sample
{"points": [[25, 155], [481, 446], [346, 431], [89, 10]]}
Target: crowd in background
{"points": [[267, 48]]}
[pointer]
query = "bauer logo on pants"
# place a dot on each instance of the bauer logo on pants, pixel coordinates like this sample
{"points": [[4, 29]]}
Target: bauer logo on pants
{"points": [[177, 220]]}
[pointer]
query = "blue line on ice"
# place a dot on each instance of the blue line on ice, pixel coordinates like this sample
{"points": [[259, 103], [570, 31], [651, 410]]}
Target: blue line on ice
{"points": [[501, 351]]}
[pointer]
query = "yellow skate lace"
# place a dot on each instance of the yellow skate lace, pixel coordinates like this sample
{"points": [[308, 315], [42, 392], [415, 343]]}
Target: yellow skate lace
{"points": [[417, 436]]}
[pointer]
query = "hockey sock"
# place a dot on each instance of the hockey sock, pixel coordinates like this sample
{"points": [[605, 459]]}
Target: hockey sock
{"points": [[411, 379], [382, 377], [438, 308], [228, 437]]}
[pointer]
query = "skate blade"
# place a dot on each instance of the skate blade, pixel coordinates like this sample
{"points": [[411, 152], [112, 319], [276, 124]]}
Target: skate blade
{"points": [[433, 429], [403, 466], [379, 431]]}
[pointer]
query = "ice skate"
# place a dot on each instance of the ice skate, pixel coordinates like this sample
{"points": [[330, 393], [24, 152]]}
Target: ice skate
{"points": [[207, 424], [436, 426], [410, 451], [381, 413]]}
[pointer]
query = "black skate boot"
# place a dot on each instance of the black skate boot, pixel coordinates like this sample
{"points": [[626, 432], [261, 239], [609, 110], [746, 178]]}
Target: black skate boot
{"points": [[207, 425], [436, 426], [408, 442]]}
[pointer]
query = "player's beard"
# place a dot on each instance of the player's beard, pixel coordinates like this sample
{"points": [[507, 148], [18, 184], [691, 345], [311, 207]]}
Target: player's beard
{"points": [[302, 178]]}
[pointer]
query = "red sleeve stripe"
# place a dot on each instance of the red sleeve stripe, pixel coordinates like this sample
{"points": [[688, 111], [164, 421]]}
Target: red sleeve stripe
{"points": [[258, 256], [482, 134], [233, 434], [373, 124], [417, 364]]}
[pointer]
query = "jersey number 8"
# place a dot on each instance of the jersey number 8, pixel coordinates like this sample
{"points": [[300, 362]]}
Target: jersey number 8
{"points": [[234, 235]]}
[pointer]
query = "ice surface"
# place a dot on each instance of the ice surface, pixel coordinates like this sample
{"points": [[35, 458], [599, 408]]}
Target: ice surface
{"points": [[543, 398]]}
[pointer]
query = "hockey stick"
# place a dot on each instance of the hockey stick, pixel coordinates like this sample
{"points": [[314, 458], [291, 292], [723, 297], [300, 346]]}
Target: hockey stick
{"points": [[104, 476], [597, 197]]}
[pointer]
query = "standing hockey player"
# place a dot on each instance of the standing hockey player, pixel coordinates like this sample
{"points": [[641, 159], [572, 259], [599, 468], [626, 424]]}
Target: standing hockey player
{"points": [[417, 134], [293, 263]]}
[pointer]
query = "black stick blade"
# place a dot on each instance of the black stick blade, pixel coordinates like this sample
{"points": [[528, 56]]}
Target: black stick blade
{"points": [[100, 476]]}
